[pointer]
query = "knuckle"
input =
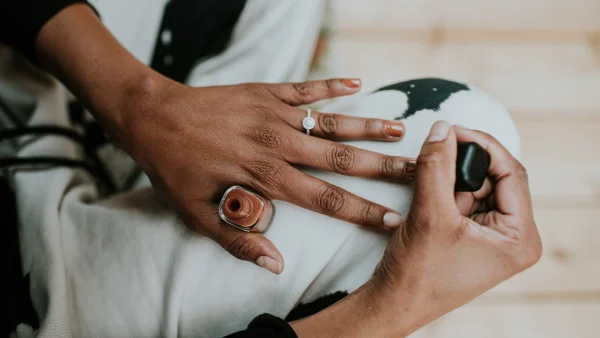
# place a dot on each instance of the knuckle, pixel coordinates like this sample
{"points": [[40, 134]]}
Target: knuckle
{"points": [[267, 137], [328, 124], [371, 214], [331, 199], [387, 166], [241, 248], [341, 158], [268, 174], [332, 84], [431, 160], [261, 108], [522, 172], [373, 127], [302, 89]]}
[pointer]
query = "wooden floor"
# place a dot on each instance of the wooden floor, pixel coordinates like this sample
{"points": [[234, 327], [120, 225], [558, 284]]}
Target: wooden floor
{"points": [[541, 59]]}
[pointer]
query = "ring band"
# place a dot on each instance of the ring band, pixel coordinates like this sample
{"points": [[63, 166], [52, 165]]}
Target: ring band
{"points": [[245, 210], [308, 122]]}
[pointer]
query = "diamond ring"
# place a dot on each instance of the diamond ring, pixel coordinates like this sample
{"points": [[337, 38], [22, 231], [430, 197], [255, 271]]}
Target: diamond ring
{"points": [[308, 122]]}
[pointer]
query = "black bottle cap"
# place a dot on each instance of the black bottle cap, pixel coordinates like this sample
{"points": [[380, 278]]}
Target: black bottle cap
{"points": [[472, 164]]}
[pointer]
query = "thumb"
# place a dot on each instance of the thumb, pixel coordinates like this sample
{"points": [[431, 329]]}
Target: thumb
{"points": [[436, 168]]}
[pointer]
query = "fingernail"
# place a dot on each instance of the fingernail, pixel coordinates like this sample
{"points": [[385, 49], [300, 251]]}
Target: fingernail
{"points": [[439, 131], [392, 220], [394, 129], [461, 127], [352, 83], [269, 263], [410, 168]]}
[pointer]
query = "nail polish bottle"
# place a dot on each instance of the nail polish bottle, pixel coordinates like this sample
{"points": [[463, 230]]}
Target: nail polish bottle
{"points": [[245, 210]]}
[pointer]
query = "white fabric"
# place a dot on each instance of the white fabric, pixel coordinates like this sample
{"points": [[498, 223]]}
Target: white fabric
{"points": [[127, 267]]}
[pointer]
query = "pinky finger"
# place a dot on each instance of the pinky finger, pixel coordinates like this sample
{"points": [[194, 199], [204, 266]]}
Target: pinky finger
{"points": [[246, 246]]}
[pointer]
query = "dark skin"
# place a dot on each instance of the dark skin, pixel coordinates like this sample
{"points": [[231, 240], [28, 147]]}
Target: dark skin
{"points": [[451, 248], [194, 143], [439, 261]]}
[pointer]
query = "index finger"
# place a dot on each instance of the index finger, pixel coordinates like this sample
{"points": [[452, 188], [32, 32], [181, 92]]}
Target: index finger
{"points": [[509, 175]]}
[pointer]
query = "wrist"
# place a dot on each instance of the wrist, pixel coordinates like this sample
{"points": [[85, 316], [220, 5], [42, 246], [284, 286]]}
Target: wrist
{"points": [[109, 81], [367, 312]]}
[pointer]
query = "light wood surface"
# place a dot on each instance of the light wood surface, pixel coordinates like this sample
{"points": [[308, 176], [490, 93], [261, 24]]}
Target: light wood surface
{"points": [[541, 59]]}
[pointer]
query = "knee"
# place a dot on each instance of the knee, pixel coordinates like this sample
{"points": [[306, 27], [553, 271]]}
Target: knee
{"points": [[458, 103]]}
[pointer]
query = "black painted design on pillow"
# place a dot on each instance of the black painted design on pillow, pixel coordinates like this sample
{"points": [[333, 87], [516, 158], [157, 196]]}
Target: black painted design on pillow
{"points": [[427, 93]]}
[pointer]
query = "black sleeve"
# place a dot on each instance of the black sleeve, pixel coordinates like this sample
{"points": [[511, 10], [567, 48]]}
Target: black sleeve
{"points": [[21, 21], [266, 326]]}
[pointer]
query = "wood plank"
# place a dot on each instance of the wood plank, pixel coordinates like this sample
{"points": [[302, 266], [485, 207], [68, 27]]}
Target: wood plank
{"points": [[537, 15], [535, 78], [576, 320], [570, 265], [563, 159]]}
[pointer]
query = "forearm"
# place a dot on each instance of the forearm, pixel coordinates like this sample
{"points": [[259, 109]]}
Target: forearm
{"points": [[77, 48], [364, 313]]}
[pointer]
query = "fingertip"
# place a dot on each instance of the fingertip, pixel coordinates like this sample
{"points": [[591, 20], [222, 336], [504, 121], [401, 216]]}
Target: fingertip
{"points": [[439, 131], [270, 264], [394, 130], [392, 220], [352, 84]]}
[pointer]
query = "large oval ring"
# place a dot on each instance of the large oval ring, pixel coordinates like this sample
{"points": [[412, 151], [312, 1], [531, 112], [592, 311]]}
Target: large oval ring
{"points": [[245, 210]]}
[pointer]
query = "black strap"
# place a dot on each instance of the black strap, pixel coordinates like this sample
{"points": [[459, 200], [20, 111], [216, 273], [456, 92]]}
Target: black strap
{"points": [[14, 293], [22, 20]]}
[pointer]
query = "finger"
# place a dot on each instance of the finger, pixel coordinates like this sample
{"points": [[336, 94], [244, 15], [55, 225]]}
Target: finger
{"points": [[252, 247], [344, 128], [300, 93], [436, 169], [502, 162], [314, 194], [470, 202], [347, 160], [509, 175]]}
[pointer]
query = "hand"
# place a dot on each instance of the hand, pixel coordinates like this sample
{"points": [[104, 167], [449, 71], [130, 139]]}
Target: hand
{"points": [[451, 249], [194, 143]]}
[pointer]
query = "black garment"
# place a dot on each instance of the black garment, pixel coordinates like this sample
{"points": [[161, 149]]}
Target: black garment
{"points": [[191, 31], [22, 20], [266, 326]]}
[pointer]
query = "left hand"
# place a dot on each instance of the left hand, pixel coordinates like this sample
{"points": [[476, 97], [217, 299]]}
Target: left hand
{"points": [[451, 249]]}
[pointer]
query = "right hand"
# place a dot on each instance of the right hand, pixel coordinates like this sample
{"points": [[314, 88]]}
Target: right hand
{"points": [[451, 249]]}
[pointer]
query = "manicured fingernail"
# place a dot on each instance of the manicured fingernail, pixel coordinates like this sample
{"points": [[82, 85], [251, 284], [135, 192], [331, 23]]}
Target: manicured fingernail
{"points": [[392, 220], [410, 168], [269, 263], [352, 83], [461, 127], [394, 128], [439, 131]]}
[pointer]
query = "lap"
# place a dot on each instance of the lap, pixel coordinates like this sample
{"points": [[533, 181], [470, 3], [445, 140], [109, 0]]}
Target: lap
{"points": [[129, 261]]}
